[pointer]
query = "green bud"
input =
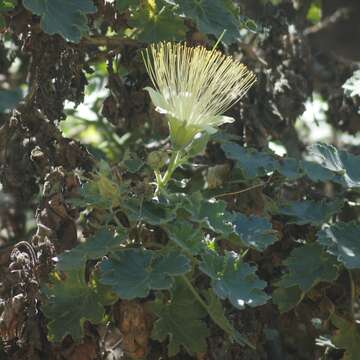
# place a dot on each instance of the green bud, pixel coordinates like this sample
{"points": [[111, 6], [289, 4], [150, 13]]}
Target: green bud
{"points": [[157, 159]]}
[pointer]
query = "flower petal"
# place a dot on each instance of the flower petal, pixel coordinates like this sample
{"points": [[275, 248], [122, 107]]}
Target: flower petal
{"points": [[158, 100], [209, 129], [224, 120]]}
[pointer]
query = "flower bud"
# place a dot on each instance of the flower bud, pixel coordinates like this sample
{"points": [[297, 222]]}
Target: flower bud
{"points": [[157, 159]]}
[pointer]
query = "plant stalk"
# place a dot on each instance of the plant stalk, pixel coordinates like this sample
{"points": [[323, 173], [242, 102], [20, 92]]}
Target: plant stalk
{"points": [[174, 162], [208, 310]]}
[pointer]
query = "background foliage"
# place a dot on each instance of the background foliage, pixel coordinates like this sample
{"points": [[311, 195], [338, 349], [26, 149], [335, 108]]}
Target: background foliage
{"points": [[254, 251]]}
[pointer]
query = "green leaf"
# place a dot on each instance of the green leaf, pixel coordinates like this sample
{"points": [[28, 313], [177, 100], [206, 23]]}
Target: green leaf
{"points": [[9, 99], [211, 213], [308, 265], [233, 279], [290, 168], [198, 145], [316, 172], [253, 163], [287, 298], [151, 212], [157, 24], [253, 231], [133, 165], [132, 273], [314, 13], [64, 17], [211, 17], [69, 304], [342, 163], [180, 320], [249, 24], [6, 5], [310, 212], [186, 236], [347, 337], [342, 241], [95, 247], [217, 314]]}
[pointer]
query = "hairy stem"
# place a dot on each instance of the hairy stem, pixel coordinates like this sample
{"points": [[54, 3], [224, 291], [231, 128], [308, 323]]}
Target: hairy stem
{"points": [[211, 314], [162, 181]]}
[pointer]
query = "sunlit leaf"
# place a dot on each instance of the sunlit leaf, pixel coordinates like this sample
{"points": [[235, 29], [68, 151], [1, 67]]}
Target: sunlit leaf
{"points": [[253, 163], [342, 240], [253, 231], [341, 163], [233, 279]]}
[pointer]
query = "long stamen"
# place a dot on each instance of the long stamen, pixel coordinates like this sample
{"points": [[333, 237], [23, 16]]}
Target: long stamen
{"points": [[197, 84]]}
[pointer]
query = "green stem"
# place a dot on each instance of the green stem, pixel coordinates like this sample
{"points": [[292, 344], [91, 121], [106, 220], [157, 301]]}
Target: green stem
{"points": [[196, 294], [352, 294], [213, 316], [173, 164]]}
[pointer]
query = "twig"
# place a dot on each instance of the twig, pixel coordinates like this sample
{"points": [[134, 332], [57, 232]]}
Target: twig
{"points": [[112, 41], [247, 189], [213, 316], [338, 15], [252, 53]]}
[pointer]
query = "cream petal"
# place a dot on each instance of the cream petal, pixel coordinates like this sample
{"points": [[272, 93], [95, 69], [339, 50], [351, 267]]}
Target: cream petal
{"points": [[209, 129], [214, 121], [158, 100], [224, 120]]}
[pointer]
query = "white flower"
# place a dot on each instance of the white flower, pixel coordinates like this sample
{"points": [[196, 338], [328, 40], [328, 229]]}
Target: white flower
{"points": [[194, 86]]}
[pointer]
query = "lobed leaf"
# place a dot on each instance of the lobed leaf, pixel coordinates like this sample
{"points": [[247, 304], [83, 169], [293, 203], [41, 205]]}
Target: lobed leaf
{"points": [[151, 212], [341, 163], [217, 314], [308, 265], [64, 17], [132, 273], [211, 214], [157, 23], [180, 319], [185, 235], [287, 298], [233, 279], [342, 241], [253, 163], [95, 247], [69, 304], [253, 231], [310, 212], [347, 337], [211, 17]]}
